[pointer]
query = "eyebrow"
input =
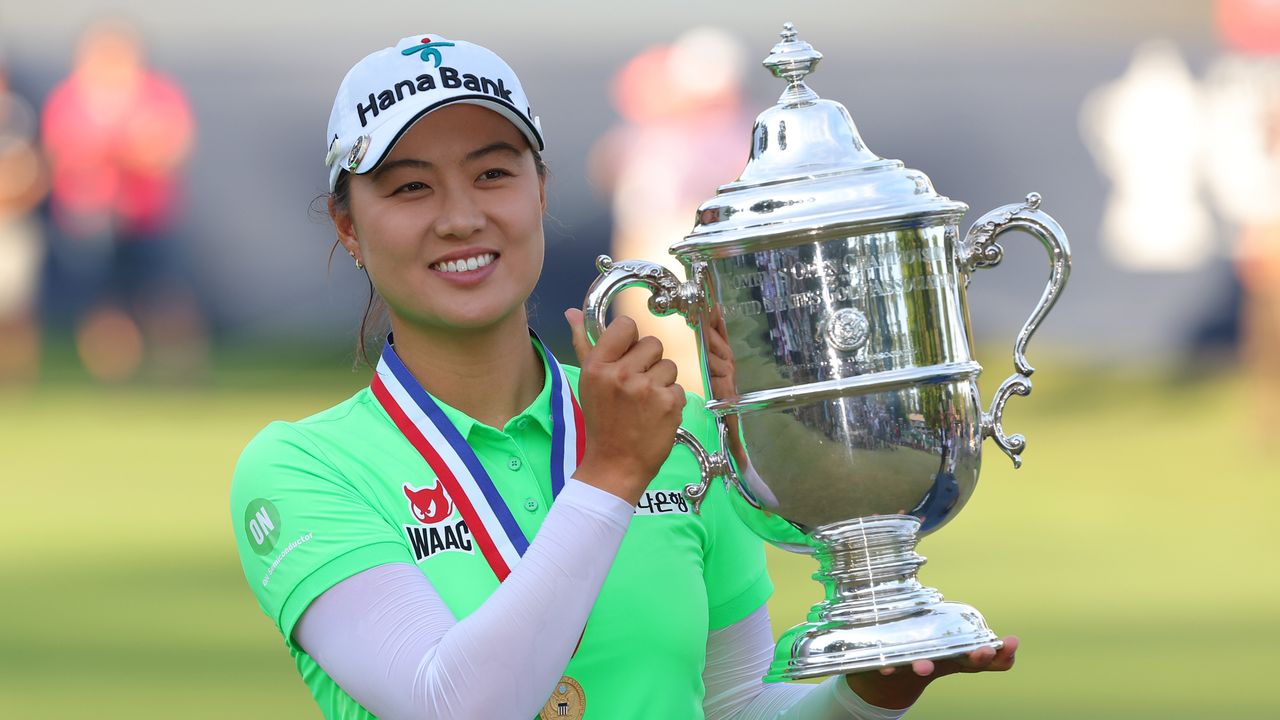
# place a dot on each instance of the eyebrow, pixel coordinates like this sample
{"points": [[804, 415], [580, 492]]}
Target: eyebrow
{"points": [[497, 147], [387, 167]]}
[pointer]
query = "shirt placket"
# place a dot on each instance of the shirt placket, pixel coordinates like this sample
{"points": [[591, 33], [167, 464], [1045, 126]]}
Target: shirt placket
{"points": [[516, 475]]}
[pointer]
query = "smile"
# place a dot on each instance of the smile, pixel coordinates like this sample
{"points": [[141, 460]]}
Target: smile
{"points": [[464, 264]]}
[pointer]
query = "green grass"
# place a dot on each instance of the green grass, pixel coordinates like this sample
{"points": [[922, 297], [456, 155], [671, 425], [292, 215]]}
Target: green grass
{"points": [[1131, 554]]}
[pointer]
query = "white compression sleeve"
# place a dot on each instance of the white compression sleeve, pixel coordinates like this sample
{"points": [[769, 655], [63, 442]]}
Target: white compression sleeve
{"points": [[737, 658], [387, 638]]}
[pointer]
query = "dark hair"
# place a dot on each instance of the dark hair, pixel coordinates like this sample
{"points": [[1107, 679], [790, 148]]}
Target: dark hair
{"points": [[374, 323]]}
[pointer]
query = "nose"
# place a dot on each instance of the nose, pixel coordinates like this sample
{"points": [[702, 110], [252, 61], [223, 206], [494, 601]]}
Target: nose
{"points": [[460, 215]]}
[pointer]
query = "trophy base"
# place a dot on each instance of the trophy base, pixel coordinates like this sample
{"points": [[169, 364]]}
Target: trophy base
{"points": [[840, 648], [876, 613]]}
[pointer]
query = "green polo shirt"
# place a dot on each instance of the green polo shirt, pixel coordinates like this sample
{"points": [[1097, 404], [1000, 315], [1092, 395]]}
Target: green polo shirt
{"points": [[317, 501]]}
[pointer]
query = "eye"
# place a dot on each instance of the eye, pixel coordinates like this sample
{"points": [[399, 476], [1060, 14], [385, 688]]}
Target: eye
{"points": [[494, 174], [410, 187]]}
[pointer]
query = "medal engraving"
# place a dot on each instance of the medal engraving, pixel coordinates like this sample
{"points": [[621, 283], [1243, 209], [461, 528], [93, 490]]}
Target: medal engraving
{"points": [[567, 701]]}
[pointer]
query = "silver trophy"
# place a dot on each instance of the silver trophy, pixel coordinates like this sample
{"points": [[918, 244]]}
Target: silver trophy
{"points": [[833, 283]]}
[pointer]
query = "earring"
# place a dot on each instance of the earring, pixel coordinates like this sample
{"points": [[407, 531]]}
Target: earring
{"points": [[359, 265]]}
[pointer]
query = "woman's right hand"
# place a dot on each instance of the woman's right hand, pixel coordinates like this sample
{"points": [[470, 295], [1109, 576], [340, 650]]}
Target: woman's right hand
{"points": [[631, 406]]}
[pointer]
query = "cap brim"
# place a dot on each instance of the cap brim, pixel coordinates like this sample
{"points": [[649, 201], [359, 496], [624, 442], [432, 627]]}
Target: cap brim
{"points": [[384, 138]]}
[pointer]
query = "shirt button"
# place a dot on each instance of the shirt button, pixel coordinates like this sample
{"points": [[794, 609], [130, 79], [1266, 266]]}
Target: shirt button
{"points": [[514, 463], [522, 423], [530, 504]]}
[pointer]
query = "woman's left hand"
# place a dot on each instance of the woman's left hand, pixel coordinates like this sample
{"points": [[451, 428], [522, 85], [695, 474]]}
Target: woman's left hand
{"points": [[899, 687]]}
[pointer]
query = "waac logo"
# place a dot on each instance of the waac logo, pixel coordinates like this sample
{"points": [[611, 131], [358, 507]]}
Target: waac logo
{"points": [[431, 507], [428, 50]]}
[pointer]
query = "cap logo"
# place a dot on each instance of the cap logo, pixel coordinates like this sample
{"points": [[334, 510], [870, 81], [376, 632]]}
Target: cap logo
{"points": [[357, 152], [428, 50]]}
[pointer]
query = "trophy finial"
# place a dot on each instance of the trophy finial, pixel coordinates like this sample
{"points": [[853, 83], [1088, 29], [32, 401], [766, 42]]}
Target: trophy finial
{"points": [[793, 59]]}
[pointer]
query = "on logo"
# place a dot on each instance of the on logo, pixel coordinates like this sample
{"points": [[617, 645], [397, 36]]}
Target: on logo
{"points": [[262, 525]]}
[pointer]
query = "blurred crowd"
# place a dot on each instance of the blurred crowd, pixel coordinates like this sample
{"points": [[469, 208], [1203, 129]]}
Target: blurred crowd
{"points": [[683, 119], [90, 189], [1181, 151]]}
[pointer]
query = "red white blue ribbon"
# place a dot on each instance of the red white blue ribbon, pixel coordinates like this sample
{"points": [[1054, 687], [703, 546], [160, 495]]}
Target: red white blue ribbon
{"points": [[424, 424]]}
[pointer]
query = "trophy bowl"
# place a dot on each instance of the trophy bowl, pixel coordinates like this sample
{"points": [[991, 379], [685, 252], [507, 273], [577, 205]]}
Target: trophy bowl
{"points": [[827, 288]]}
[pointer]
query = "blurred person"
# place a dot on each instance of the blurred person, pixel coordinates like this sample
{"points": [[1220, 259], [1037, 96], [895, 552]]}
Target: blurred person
{"points": [[1258, 263], [1242, 163], [685, 134], [117, 135], [23, 184], [484, 532], [1143, 129]]}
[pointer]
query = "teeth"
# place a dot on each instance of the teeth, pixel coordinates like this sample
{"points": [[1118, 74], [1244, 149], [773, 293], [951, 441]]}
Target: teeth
{"points": [[471, 263]]}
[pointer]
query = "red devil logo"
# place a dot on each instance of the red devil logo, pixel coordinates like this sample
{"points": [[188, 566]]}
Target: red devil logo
{"points": [[429, 505]]}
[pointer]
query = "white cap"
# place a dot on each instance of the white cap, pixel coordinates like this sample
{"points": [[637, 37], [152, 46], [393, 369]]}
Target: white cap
{"points": [[389, 90]]}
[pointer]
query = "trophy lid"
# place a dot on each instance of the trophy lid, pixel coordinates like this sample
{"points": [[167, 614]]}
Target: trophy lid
{"points": [[809, 171]]}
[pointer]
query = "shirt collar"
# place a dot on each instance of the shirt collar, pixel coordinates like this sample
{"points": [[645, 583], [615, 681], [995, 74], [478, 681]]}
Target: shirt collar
{"points": [[539, 410]]}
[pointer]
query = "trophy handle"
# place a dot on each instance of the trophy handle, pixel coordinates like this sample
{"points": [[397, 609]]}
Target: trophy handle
{"points": [[670, 295], [711, 465], [981, 250]]}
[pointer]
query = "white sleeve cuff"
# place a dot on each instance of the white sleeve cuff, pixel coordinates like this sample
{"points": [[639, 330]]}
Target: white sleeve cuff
{"points": [[600, 503], [858, 707]]}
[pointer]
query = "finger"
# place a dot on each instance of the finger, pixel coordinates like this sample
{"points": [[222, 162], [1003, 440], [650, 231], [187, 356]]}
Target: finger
{"points": [[1004, 659], [643, 354], [717, 347], [578, 330], [718, 367], [1011, 644], [980, 659], [663, 372], [985, 658], [923, 668], [678, 395], [616, 339], [717, 321], [717, 344], [1001, 662]]}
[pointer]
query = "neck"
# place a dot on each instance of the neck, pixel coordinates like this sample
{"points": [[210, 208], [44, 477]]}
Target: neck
{"points": [[491, 374]]}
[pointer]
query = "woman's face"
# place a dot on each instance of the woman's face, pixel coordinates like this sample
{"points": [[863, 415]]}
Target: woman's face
{"points": [[449, 226]]}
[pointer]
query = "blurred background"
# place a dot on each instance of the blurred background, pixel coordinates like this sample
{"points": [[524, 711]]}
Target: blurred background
{"points": [[166, 290]]}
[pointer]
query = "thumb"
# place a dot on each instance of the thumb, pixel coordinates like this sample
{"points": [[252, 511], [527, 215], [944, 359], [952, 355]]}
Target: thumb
{"points": [[581, 346]]}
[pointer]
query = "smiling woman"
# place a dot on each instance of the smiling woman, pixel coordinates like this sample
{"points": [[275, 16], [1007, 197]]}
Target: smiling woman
{"points": [[476, 200], [461, 539]]}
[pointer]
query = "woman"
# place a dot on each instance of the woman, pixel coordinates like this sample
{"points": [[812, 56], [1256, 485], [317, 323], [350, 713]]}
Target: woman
{"points": [[382, 536]]}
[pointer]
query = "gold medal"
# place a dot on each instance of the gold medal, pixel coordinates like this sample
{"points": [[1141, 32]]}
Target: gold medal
{"points": [[567, 701]]}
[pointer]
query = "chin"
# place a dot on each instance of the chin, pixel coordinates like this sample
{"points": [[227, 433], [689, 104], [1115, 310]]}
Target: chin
{"points": [[473, 319]]}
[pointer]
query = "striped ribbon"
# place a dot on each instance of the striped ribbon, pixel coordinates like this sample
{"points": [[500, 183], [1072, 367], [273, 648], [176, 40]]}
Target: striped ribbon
{"points": [[424, 424]]}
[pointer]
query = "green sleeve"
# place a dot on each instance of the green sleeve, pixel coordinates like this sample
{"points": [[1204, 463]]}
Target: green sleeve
{"points": [[734, 566], [300, 526]]}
